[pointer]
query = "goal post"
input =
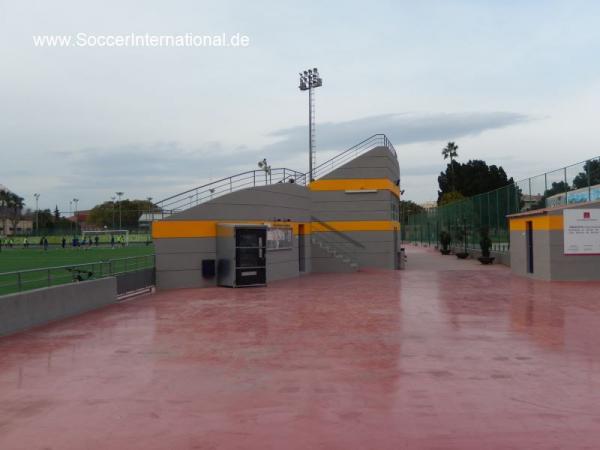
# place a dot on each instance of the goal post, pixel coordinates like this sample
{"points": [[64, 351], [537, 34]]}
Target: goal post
{"points": [[104, 236]]}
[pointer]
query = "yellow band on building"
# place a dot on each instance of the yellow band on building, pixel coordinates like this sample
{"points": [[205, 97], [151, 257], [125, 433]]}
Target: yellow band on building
{"points": [[208, 228], [539, 223], [357, 184]]}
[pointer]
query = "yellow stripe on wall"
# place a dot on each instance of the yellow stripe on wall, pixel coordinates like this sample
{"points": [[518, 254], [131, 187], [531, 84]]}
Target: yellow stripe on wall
{"points": [[355, 185], [358, 225], [183, 228], [539, 223], [208, 228]]}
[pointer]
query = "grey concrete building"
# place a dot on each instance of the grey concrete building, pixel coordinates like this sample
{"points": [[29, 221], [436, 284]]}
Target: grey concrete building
{"points": [[344, 220], [538, 240]]}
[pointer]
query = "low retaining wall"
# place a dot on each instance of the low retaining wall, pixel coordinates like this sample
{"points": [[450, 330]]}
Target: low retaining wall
{"points": [[28, 309], [501, 257], [134, 281]]}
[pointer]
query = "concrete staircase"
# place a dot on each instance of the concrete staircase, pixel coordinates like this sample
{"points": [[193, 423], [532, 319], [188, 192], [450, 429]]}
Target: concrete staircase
{"points": [[333, 250]]}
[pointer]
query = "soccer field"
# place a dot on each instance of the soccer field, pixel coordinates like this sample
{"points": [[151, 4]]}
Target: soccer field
{"points": [[34, 258]]}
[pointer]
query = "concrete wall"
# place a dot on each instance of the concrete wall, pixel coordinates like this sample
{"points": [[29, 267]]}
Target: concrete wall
{"points": [[474, 253], [369, 248], [133, 281], [541, 252], [571, 267], [28, 309], [376, 163], [550, 262]]}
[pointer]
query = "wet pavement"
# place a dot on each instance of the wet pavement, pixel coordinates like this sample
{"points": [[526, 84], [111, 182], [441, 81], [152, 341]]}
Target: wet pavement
{"points": [[445, 355]]}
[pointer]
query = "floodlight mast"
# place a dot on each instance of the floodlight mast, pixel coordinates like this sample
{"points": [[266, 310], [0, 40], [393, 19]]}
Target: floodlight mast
{"points": [[310, 79]]}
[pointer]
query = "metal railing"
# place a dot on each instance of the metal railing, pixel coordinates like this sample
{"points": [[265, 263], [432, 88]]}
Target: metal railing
{"points": [[215, 189], [24, 280], [377, 140], [253, 178]]}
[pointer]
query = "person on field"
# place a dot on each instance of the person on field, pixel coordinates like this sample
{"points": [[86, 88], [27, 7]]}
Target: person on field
{"points": [[112, 241], [96, 241], [25, 243], [63, 243], [45, 243], [10, 243]]}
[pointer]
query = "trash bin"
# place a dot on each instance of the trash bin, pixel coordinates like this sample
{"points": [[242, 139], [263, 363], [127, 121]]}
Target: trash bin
{"points": [[402, 259]]}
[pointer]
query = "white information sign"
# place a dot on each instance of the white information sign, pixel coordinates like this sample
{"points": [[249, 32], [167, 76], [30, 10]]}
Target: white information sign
{"points": [[279, 238], [582, 231]]}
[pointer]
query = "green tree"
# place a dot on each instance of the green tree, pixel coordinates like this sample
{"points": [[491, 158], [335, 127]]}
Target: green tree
{"points": [[450, 197], [45, 220], [14, 206], [591, 168], [409, 208], [472, 178], [450, 151], [557, 187], [129, 210], [3, 211]]}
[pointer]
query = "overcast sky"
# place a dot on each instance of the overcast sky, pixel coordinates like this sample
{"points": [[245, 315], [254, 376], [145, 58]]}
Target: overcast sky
{"points": [[513, 82]]}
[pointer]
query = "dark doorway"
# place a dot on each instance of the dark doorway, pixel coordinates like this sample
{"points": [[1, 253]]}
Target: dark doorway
{"points": [[250, 255], [301, 249], [529, 243]]}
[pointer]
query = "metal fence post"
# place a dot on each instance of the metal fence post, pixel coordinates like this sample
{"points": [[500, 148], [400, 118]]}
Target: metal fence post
{"points": [[566, 186], [48, 279], [19, 281], [588, 165]]}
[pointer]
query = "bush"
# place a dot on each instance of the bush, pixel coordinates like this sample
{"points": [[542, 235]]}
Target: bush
{"points": [[485, 243]]}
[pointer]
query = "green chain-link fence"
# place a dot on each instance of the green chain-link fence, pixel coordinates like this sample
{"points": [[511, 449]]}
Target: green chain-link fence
{"points": [[464, 219]]}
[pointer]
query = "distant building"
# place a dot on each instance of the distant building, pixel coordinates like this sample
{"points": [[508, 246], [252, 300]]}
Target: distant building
{"points": [[429, 206], [531, 201], [24, 226], [7, 226]]}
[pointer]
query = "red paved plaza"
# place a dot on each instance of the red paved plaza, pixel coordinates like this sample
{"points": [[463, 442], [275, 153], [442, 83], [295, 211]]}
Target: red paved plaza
{"points": [[445, 355]]}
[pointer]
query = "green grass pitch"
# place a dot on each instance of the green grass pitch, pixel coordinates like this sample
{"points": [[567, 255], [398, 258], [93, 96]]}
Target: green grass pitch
{"points": [[34, 258]]}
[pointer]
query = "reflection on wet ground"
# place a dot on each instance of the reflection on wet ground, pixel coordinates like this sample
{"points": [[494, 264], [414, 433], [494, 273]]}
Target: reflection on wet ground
{"points": [[447, 354]]}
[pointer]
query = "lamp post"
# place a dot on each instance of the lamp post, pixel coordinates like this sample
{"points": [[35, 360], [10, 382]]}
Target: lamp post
{"points": [[150, 211], [113, 198], [266, 168], [76, 200], [120, 194], [71, 212], [37, 213], [310, 79]]}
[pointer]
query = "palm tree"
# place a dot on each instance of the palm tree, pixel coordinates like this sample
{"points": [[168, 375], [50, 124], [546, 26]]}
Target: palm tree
{"points": [[450, 151]]}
